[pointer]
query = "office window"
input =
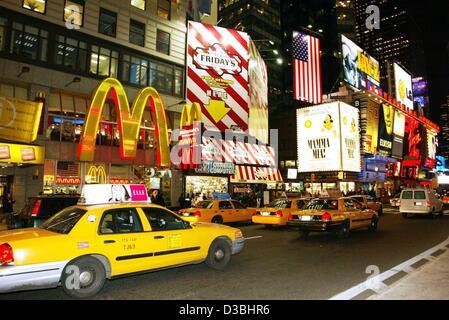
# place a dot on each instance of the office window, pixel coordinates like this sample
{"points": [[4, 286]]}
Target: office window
{"points": [[163, 9], [103, 61], [137, 33], [179, 80], [35, 5], [135, 70], [138, 4], [161, 77], [29, 42], [71, 53], [74, 12], [3, 22], [163, 42], [108, 22]]}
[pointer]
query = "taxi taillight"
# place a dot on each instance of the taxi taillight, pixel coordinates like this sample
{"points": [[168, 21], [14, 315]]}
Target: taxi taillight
{"points": [[279, 213], [6, 255], [428, 203], [197, 214], [326, 216], [36, 208], [290, 216], [254, 212]]}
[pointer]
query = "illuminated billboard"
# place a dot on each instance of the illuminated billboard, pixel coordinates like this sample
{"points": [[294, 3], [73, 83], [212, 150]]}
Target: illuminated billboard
{"points": [[386, 125], [412, 139], [328, 138], [398, 134], [372, 131], [420, 92], [432, 144], [404, 86], [359, 68], [217, 75]]}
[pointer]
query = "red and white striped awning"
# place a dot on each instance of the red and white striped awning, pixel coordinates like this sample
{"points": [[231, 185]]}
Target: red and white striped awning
{"points": [[251, 174]]}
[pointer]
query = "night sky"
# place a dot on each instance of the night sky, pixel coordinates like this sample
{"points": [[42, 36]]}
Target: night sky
{"points": [[432, 16]]}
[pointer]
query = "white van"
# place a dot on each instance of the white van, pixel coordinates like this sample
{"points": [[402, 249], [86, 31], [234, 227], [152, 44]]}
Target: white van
{"points": [[420, 201]]}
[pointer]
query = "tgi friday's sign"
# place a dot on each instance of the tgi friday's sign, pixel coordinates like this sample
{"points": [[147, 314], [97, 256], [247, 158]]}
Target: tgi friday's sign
{"points": [[217, 75]]}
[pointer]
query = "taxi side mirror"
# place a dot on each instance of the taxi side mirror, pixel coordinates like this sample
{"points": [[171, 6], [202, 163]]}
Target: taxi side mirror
{"points": [[186, 224]]}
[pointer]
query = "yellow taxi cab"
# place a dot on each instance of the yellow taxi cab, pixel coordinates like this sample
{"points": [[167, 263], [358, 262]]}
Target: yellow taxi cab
{"points": [[333, 214], [83, 245], [276, 213], [217, 211]]}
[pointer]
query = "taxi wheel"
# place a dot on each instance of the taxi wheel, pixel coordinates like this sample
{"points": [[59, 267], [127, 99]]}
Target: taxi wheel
{"points": [[343, 232], [217, 219], [373, 225], [219, 254], [83, 277]]}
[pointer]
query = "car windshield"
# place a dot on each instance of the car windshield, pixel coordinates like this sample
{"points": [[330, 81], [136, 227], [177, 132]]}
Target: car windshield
{"points": [[204, 205], [64, 221], [322, 204], [280, 204]]}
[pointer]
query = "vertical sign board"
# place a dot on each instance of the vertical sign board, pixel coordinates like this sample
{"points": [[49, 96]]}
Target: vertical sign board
{"points": [[217, 75], [398, 134], [412, 139], [404, 86], [328, 138], [372, 127], [258, 95], [386, 125]]}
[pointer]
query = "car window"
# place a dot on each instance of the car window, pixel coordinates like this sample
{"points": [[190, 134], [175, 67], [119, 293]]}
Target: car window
{"points": [[163, 220], [238, 205], [64, 221], [281, 204], [360, 199], [301, 203], [421, 195], [204, 204], [322, 204], [350, 204], [124, 220], [224, 205], [407, 195]]}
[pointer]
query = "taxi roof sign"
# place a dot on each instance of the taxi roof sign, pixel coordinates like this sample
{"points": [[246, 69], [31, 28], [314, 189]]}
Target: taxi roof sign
{"points": [[92, 194]]}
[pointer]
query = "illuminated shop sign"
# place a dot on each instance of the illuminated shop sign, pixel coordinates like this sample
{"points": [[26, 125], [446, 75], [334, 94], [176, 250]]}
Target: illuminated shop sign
{"points": [[216, 168], [20, 153], [404, 86]]}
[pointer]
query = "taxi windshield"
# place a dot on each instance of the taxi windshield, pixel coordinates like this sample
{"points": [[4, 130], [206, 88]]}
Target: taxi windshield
{"points": [[280, 204], [204, 205], [322, 204], [64, 221]]}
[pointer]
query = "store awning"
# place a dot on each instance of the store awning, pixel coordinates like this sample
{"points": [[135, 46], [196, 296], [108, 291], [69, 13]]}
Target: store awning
{"points": [[251, 174]]}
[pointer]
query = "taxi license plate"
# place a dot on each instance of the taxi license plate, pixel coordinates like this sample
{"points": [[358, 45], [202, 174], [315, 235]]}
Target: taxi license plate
{"points": [[418, 203], [306, 218], [265, 214], [186, 214]]}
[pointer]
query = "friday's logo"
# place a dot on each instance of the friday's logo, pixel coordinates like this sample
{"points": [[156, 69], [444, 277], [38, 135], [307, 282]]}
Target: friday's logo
{"points": [[218, 60]]}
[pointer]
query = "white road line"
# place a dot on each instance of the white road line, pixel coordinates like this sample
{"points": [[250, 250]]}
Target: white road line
{"points": [[404, 267], [256, 237]]}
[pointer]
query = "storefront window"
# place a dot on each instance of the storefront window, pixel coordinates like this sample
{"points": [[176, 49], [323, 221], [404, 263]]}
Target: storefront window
{"points": [[29, 42], [103, 61], [74, 12], [35, 5], [71, 53]]}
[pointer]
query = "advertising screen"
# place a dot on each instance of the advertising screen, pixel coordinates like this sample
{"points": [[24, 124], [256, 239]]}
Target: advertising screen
{"points": [[258, 95], [412, 139], [404, 87], [398, 134], [358, 67], [217, 75], [350, 139], [372, 131], [431, 145], [328, 138], [386, 125]]}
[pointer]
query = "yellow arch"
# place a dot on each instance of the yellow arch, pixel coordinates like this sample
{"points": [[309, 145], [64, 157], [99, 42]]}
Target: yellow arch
{"points": [[190, 114]]}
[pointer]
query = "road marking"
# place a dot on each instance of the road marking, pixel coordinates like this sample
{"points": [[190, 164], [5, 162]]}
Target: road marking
{"points": [[255, 237], [404, 267]]}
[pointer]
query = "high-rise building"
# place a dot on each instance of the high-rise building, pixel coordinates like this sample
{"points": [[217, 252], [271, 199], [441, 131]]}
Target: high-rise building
{"points": [[261, 20], [399, 37], [443, 147]]}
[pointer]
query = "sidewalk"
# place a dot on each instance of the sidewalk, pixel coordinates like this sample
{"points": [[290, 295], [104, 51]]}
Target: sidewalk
{"points": [[429, 282]]}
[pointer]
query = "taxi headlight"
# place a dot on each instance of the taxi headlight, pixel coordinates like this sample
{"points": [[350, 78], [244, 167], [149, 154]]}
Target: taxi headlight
{"points": [[238, 234]]}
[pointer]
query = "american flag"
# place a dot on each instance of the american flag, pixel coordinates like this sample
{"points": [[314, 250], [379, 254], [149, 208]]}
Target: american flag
{"points": [[307, 68]]}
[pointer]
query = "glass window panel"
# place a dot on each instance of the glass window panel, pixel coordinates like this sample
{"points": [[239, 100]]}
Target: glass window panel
{"points": [[163, 9], [163, 42], [54, 103], [43, 53], [114, 67], [107, 22], [138, 4], [31, 30], [35, 5], [137, 33], [74, 12]]}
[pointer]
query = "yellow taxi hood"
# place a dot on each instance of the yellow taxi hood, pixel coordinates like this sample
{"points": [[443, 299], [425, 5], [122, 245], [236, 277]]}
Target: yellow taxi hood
{"points": [[210, 225], [25, 234]]}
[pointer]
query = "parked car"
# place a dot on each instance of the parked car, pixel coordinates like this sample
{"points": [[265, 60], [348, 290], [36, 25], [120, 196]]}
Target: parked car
{"points": [[395, 201], [420, 201], [40, 208], [445, 198]]}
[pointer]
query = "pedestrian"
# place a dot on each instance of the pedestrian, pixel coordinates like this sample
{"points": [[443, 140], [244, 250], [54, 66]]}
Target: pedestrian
{"points": [[157, 198], [182, 201], [7, 203]]}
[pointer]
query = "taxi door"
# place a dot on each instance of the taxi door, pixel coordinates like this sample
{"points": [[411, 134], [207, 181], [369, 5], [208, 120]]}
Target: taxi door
{"points": [[121, 238], [242, 214], [354, 214], [226, 210], [173, 241]]}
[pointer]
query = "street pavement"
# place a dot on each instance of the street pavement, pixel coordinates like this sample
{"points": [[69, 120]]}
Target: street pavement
{"points": [[277, 264]]}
